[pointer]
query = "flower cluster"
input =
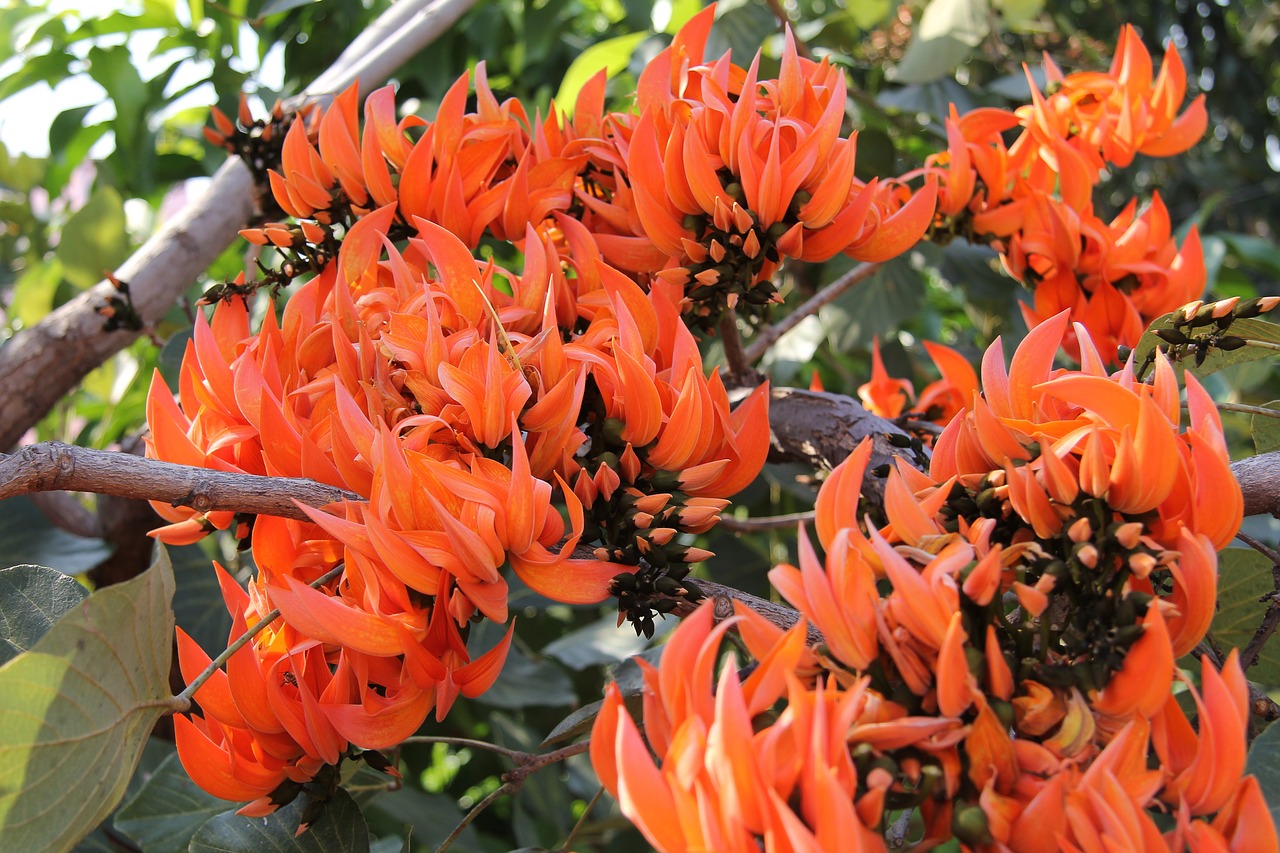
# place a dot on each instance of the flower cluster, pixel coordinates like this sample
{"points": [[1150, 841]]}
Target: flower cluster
{"points": [[1032, 200], [462, 403], [1014, 684], [731, 174]]}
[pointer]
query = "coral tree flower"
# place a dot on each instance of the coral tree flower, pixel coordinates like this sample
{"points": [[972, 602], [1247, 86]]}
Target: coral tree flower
{"points": [[1032, 200], [998, 654]]}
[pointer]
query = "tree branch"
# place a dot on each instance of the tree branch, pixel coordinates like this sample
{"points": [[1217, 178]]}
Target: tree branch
{"points": [[54, 466], [761, 343], [821, 429], [32, 378], [1259, 479]]}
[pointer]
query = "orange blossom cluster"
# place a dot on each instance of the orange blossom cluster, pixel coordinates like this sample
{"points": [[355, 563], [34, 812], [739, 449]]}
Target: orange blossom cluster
{"points": [[1032, 200], [1014, 684], [462, 402]]}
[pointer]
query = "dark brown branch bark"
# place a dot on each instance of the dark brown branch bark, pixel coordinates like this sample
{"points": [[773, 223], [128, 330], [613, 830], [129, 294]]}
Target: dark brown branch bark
{"points": [[40, 364], [821, 429], [1259, 479], [54, 466]]}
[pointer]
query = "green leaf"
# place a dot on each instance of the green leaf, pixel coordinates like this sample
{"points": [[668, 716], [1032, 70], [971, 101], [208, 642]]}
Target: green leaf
{"points": [[1266, 430], [1264, 763], [197, 605], [948, 32], [612, 55], [340, 829], [34, 291], [112, 68], [1253, 329], [1244, 578], [27, 537], [894, 293], [32, 598], [425, 818], [1014, 14], [868, 14], [600, 642], [524, 682], [76, 710], [95, 239], [167, 810]]}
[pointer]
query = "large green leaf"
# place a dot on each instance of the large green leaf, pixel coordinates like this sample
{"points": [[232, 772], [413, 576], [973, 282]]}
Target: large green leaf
{"points": [[167, 810], [948, 32], [94, 240], [27, 537], [340, 829], [612, 55], [32, 598], [1244, 578], [76, 710], [1264, 762]]}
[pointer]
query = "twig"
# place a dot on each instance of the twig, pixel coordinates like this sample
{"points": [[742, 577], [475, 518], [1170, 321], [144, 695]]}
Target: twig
{"points": [[734, 356], [1262, 344], [182, 702], [40, 364], [466, 742], [65, 512], [54, 466], [582, 819], [917, 425], [513, 780], [768, 522], [1249, 410], [500, 791], [1261, 547], [761, 343]]}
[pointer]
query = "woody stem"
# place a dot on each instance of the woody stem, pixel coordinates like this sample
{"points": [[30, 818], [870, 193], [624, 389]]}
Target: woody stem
{"points": [[513, 780], [761, 343], [182, 702], [736, 360]]}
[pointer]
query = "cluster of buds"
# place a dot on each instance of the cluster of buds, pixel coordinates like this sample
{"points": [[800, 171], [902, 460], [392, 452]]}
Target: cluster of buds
{"points": [[1198, 328], [256, 141]]}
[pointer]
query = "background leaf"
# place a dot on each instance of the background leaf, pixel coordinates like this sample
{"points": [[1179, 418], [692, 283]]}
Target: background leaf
{"points": [[94, 239], [27, 537], [340, 829], [1254, 329], [612, 55], [167, 810], [1264, 762], [76, 710], [948, 32], [32, 598], [1244, 577], [1266, 430]]}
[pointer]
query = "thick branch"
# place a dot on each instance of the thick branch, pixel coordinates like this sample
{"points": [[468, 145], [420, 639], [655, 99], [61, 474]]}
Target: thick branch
{"points": [[821, 429], [54, 466], [41, 364], [1259, 478]]}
